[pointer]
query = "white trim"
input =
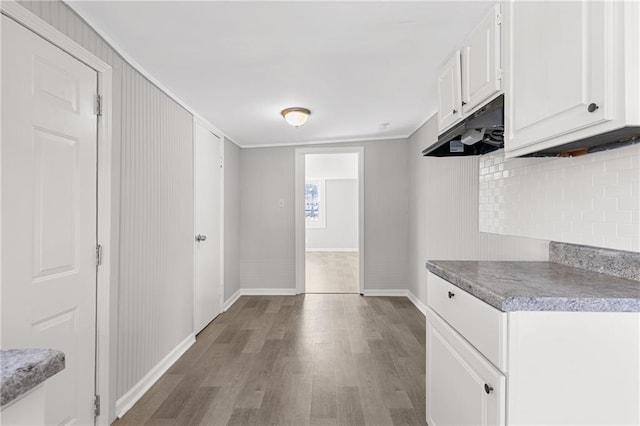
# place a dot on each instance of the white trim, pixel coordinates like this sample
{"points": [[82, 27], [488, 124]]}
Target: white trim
{"points": [[417, 302], [391, 292], [143, 71], [230, 301], [222, 172], [328, 141], [300, 222], [106, 294], [268, 292], [340, 250], [138, 390]]}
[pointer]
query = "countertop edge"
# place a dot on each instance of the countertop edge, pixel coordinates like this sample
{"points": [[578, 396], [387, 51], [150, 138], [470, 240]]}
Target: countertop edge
{"points": [[24, 369], [541, 303]]}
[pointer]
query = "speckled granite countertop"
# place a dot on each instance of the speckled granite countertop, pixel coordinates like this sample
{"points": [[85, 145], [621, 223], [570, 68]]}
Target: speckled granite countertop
{"points": [[540, 286], [24, 369]]}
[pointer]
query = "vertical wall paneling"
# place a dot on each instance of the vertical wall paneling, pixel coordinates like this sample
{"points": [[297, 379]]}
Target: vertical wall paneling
{"points": [[443, 216], [152, 179]]}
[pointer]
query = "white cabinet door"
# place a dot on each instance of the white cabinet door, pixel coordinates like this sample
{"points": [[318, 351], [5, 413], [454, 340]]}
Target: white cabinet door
{"points": [[462, 387], [449, 93], [560, 69], [481, 68]]}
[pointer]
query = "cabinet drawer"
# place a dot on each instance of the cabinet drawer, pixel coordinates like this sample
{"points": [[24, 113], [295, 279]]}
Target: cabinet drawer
{"points": [[462, 387], [479, 323]]}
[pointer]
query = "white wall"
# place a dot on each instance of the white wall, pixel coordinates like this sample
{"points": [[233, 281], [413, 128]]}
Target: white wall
{"points": [[444, 214], [231, 218], [152, 179], [593, 199], [267, 252], [341, 231], [331, 166]]}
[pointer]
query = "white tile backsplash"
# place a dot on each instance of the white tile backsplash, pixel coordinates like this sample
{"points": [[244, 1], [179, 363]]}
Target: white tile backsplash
{"points": [[592, 199]]}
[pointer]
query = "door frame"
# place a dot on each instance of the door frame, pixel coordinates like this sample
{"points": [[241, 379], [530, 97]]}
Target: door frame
{"points": [[106, 291], [300, 229], [216, 132]]}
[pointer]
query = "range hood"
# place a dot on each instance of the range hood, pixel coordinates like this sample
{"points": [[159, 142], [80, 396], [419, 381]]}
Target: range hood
{"points": [[480, 133]]}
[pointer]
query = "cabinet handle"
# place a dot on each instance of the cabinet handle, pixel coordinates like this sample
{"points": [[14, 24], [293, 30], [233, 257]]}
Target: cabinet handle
{"points": [[488, 389], [592, 107], [455, 111], [450, 294], [463, 103]]}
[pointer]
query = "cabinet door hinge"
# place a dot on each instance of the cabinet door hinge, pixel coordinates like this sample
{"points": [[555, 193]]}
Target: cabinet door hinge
{"points": [[499, 74], [498, 18], [98, 254], [98, 106], [96, 405]]}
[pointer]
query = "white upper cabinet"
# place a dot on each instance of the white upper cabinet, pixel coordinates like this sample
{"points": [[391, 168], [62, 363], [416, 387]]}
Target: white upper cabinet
{"points": [[481, 66], [449, 93], [566, 71], [473, 75]]}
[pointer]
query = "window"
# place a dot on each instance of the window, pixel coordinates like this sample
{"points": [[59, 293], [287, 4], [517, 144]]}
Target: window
{"points": [[314, 204]]}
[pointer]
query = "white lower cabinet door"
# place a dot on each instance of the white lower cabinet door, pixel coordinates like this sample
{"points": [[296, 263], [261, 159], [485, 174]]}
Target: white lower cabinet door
{"points": [[462, 387]]}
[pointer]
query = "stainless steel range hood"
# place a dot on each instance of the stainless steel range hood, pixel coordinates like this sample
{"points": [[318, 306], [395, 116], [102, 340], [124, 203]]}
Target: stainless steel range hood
{"points": [[478, 134]]}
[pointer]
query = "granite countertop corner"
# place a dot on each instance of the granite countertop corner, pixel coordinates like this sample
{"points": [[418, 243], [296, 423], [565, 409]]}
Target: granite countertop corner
{"points": [[540, 286], [24, 369]]}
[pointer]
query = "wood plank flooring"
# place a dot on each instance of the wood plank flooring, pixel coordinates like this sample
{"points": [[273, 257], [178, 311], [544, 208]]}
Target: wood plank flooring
{"points": [[331, 272], [315, 359]]}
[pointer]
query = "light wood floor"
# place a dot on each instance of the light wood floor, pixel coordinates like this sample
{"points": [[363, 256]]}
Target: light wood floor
{"points": [[331, 272], [320, 359]]}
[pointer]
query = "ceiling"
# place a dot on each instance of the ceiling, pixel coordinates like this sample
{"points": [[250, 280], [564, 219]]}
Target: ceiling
{"points": [[355, 65]]}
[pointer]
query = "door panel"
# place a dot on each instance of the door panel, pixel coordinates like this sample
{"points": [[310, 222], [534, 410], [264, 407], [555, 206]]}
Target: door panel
{"points": [[481, 62], [449, 93], [49, 153], [558, 64], [208, 223], [456, 378]]}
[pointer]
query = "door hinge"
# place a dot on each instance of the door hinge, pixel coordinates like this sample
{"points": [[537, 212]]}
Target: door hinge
{"points": [[499, 74], [98, 105], [96, 405], [98, 254]]}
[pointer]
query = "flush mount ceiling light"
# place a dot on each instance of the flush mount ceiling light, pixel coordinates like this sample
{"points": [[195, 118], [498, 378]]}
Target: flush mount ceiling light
{"points": [[295, 116]]}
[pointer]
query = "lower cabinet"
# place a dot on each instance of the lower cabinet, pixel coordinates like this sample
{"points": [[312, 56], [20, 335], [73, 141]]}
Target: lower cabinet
{"points": [[552, 367], [462, 387]]}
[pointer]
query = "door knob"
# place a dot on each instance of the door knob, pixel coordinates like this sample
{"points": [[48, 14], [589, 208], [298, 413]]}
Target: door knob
{"points": [[201, 237]]}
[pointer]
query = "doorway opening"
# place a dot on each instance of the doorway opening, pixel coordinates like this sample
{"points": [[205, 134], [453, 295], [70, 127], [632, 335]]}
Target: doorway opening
{"points": [[331, 220]]}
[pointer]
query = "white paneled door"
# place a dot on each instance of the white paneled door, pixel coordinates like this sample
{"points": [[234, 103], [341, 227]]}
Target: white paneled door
{"points": [[49, 153], [208, 226]]}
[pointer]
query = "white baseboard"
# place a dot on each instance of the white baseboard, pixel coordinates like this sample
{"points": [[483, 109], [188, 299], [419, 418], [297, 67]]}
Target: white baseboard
{"points": [[417, 302], [398, 293], [333, 249], [135, 393], [386, 292], [230, 301], [268, 291]]}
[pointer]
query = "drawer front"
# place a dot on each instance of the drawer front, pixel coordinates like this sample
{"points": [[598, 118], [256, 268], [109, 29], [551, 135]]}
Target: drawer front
{"points": [[480, 324], [462, 387]]}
